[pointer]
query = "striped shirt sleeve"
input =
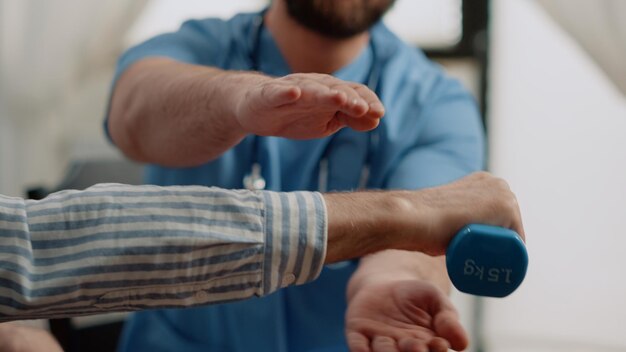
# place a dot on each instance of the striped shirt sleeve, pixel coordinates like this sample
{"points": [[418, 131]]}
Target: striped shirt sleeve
{"points": [[114, 247]]}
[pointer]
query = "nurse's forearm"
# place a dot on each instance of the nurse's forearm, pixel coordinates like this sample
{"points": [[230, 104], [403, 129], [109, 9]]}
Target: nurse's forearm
{"points": [[175, 114]]}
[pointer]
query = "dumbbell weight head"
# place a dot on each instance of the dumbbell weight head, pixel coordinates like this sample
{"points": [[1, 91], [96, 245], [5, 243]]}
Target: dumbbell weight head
{"points": [[486, 260]]}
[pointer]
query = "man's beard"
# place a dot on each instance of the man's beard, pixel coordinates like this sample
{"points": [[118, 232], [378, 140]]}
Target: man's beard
{"points": [[338, 19]]}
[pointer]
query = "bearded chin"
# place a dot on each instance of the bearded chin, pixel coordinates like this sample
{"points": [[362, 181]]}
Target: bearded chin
{"points": [[335, 19]]}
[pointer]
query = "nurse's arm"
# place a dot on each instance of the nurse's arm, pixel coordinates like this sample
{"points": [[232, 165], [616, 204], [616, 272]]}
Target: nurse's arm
{"points": [[176, 114]]}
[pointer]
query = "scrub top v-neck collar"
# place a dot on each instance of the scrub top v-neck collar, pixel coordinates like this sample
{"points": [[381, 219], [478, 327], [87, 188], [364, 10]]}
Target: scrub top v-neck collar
{"points": [[272, 62], [267, 58]]}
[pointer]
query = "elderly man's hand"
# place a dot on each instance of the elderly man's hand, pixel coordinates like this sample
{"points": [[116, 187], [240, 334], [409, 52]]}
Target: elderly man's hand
{"points": [[403, 315], [305, 106]]}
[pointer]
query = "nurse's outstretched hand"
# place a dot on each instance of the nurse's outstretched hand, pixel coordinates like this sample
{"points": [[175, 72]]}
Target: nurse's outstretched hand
{"points": [[305, 106], [175, 114]]}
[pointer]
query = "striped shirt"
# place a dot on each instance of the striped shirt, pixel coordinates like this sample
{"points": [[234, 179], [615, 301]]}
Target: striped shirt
{"points": [[115, 247]]}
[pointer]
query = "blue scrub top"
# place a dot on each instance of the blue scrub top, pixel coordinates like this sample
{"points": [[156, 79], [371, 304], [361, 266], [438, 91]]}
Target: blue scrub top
{"points": [[431, 134]]}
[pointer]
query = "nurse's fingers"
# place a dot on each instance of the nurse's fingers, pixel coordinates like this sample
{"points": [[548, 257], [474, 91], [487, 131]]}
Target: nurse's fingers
{"points": [[321, 95], [333, 98], [340, 97], [376, 108], [360, 124], [363, 94], [351, 98], [355, 106], [278, 94], [377, 111]]}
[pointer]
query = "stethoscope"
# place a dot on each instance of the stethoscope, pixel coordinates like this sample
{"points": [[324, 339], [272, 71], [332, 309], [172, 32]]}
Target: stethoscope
{"points": [[254, 180]]}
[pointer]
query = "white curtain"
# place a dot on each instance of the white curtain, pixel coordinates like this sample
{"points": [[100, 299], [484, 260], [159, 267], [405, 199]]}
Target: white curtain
{"points": [[56, 59], [600, 28], [51, 45]]}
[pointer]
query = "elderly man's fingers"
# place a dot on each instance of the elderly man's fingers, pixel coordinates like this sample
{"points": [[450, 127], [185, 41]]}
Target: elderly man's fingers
{"points": [[384, 344], [447, 326], [358, 342], [412, 345], [518, 225], [437, 344]]}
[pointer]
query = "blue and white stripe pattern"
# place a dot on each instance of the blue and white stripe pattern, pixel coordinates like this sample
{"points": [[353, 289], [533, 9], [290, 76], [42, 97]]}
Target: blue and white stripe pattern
{"points": [[115, 247]]}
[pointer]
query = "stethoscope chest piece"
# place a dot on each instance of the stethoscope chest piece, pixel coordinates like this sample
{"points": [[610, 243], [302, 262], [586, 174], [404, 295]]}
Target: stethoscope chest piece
{"points": [[254, 181]]}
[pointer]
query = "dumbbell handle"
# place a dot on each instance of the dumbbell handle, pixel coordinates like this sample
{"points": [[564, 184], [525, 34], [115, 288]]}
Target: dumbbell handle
{"points": [[486, 260]]}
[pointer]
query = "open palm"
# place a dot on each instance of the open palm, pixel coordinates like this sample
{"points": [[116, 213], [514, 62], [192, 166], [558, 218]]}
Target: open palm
{"points": [[403, 316]]}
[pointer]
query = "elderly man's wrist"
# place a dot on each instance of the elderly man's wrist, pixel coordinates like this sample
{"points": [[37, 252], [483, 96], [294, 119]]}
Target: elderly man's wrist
{"points": [[356, 225], [402, 220]]}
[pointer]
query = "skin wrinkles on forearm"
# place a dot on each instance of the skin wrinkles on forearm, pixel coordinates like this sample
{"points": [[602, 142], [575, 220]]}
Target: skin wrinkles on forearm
{"points": [[422, 220], [174, 114], [156, 115]]}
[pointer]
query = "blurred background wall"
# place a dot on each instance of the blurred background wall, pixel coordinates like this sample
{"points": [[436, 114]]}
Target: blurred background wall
{"points": [[56, 62], [557, 126]]}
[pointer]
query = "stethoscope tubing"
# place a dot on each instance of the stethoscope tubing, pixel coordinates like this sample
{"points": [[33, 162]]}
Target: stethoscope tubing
{"points": [[254, 180]]}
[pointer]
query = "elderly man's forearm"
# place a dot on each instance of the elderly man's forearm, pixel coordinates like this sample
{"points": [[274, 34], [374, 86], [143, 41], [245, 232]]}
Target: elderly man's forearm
{"points": [[116, 248], [360, 223]]}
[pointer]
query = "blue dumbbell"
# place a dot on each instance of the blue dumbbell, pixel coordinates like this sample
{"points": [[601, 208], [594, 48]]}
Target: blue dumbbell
{"points": [[486, 260]]}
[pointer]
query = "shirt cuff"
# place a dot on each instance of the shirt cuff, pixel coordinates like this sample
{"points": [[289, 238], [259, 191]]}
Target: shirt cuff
{"points": [[295, 238]]}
